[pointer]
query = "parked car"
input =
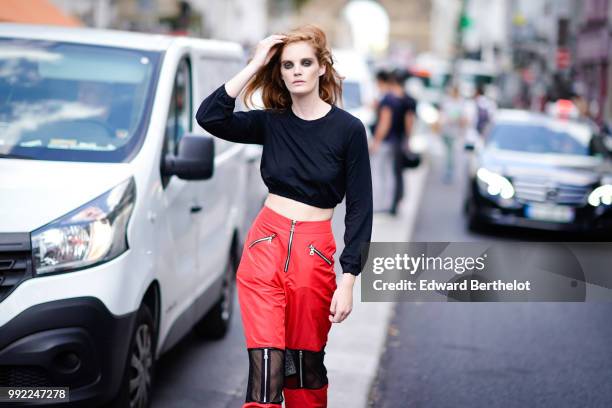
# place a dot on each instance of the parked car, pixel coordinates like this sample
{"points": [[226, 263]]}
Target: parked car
{"points": [[119, 217], [536, 171]]}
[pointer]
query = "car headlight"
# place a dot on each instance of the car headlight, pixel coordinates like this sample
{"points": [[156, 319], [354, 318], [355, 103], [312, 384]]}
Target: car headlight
{"points": [[495, 184], [91, 234], [601, 195]]}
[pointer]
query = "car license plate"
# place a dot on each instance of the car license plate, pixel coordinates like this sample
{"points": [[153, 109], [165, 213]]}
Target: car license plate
{"points": [[547, 212]]}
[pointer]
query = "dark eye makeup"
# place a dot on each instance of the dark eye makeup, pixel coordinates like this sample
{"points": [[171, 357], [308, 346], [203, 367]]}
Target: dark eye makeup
{"points": [[305, 62]]}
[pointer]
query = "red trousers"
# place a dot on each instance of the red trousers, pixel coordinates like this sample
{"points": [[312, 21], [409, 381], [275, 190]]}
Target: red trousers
{"points": [[285, 284]]}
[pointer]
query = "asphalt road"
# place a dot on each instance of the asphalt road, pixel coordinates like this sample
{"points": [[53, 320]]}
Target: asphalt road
{"points": [[491, 354]]}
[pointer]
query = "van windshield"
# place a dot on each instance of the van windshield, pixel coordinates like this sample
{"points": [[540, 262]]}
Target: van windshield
{"points": [[73, 102]]}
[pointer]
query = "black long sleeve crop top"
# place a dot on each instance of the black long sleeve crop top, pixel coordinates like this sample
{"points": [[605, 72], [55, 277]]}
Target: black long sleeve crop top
{"points": [[312, 161]]}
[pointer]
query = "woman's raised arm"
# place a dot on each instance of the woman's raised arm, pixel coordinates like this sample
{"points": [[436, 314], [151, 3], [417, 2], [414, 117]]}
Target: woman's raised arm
{"points": [[216, 113]]}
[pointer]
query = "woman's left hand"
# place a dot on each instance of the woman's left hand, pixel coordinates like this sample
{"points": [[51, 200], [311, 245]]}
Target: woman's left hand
{"points": [[342, 300]]}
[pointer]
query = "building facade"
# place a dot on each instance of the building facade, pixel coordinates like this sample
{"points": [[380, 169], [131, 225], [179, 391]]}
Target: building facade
{"points": [[243, 21], [592, 53], [409, 21]]}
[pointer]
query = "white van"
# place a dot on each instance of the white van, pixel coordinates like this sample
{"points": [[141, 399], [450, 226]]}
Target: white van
{"points": [[120, 219]]}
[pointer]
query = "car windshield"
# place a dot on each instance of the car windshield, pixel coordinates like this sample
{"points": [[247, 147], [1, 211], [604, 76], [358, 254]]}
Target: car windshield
{"points": [[556, 138], [351, 94], [73, 102]]}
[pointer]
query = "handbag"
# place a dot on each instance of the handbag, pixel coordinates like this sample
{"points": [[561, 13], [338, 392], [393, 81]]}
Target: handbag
{"points": [[410, 160]]}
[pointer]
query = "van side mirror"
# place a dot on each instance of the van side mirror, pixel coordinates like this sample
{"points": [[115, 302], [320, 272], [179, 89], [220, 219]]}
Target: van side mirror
{"points": [[195, 159]]}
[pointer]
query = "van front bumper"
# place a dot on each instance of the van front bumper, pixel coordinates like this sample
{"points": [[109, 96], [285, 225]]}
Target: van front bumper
{"points": [[76, 343]]}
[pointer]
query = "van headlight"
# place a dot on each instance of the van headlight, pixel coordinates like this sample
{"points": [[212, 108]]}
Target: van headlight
{"points": [[601, 195], [91, 234]]}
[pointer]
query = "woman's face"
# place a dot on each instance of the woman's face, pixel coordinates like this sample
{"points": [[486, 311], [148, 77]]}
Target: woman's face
{"points": [[300, 69]]}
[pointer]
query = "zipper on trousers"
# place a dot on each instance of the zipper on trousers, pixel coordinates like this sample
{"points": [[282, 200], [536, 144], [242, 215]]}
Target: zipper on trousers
{"points": [[301, 375], [268, 238], [265, 382], [289, 246], [314, 250]]}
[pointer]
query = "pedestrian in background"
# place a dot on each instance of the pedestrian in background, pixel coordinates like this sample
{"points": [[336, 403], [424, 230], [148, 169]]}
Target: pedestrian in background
{"points": [[403, 122], [485, 108], [394, 120], [454, 121], [380, 150]]}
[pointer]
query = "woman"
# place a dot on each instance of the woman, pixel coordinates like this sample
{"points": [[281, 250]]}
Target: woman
{"points": [[313, 153]]}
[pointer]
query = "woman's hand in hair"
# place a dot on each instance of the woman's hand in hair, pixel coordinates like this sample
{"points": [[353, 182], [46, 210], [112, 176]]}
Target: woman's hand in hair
{"points": [[263, 53], [265, 49]]}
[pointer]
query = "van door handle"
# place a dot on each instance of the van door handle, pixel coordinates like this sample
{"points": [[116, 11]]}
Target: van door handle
{"points": [[196, 209]]}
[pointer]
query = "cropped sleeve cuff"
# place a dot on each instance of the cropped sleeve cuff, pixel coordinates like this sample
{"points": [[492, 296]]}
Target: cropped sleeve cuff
{"points": [[225, 96]]}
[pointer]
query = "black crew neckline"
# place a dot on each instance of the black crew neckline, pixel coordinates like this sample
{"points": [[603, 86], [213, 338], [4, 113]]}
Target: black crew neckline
{"points": [[317, 120]]}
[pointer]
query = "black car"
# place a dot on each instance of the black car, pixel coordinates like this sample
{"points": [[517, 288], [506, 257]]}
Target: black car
{"points": [[536, 171]]}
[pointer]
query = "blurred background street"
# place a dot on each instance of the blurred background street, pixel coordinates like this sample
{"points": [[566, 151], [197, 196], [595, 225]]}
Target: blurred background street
{"points": [[491, 354]]}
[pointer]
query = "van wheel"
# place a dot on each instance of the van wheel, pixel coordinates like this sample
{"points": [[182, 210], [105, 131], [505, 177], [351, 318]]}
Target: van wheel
{"points": [[136, 386], [215, 324]]}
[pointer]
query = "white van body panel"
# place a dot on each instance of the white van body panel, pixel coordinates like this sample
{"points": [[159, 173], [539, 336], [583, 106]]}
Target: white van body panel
{"points": [[185, 253], [35, 193]]}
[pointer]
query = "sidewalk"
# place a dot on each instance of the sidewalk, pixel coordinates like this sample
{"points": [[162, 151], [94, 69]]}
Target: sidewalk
{"points": [[356, 345]]}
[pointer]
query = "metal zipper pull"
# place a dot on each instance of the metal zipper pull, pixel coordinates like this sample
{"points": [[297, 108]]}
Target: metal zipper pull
{"points": [[265, 384], [269, 239], [289, 246], [301, 376], [315, 250]]}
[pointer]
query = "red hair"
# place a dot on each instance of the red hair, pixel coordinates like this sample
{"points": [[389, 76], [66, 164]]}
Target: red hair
{"points": [[274, 93]]}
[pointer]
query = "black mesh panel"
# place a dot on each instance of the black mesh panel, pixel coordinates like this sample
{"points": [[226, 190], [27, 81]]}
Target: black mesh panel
{"points": [[290, 368], [310, 371], [266, 375]]}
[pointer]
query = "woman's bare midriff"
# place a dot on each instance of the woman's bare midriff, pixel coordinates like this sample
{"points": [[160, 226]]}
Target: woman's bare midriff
{"points": [[296, 210]]}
